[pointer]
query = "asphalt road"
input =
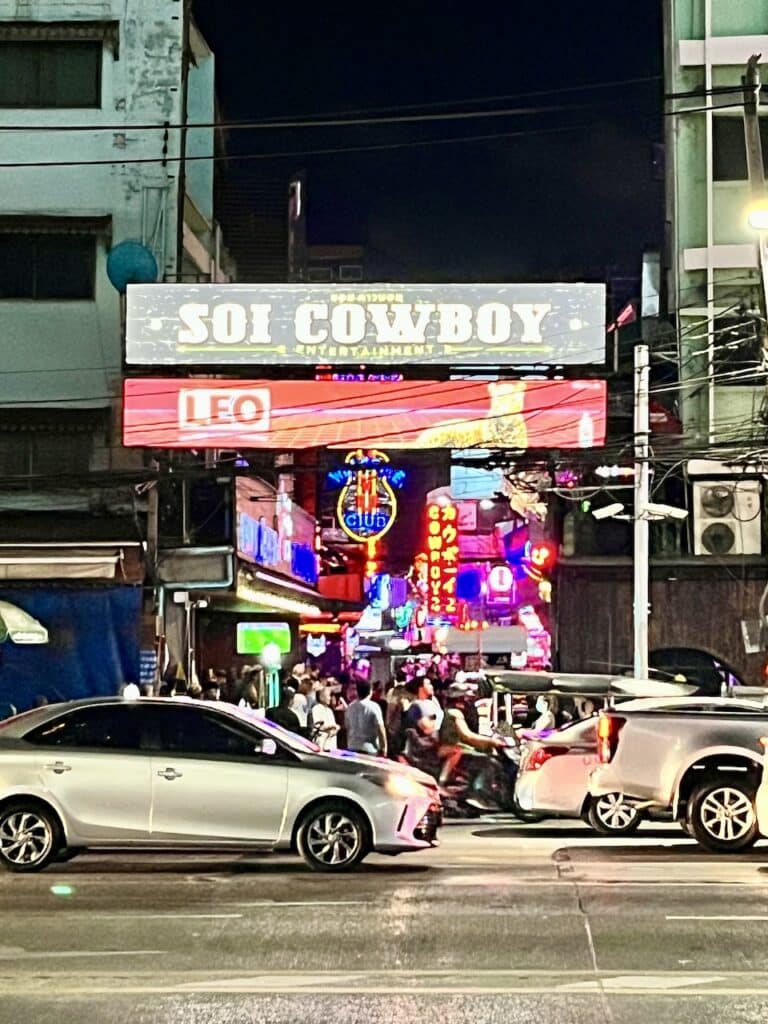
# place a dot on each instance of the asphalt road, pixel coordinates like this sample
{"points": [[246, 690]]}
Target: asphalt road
{"points": [[503, 923]]}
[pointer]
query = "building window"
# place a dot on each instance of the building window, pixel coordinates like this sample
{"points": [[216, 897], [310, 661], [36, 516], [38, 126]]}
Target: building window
{"points": [[47, 266], [350, 272], [50, 74], [34, 453], [320, 274], [729, 150]]}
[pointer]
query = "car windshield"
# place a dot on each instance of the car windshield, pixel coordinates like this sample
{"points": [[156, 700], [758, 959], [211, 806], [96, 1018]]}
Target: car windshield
{"points": [[284, 736]]}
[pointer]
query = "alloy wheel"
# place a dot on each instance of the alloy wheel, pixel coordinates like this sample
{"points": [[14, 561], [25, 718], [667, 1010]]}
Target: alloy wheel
{"points": [[333, 839], [614, 812], [25, 837], [727, 814]]}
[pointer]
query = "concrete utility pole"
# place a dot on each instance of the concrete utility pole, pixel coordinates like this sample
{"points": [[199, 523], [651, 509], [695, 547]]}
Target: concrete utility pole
{"points": [[756, 172], [641, 562]]}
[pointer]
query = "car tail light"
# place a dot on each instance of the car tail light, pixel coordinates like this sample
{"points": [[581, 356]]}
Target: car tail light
{"points": [[539, 757], [608, 729], [764, 742]]}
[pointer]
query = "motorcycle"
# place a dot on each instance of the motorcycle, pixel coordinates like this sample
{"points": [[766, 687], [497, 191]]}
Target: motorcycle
{"points": [[481, 782]]}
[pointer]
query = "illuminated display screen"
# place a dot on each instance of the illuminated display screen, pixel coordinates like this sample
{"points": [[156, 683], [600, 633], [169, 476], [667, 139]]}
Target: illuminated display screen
{"points": [[285, 414], [252, 637]]}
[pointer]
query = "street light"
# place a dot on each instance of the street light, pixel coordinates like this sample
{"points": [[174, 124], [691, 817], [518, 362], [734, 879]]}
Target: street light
{"points": [[757, 215]]}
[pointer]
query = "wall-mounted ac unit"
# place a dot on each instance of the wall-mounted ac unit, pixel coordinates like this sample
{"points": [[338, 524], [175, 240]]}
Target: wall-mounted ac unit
{"points": [[727, 517]]}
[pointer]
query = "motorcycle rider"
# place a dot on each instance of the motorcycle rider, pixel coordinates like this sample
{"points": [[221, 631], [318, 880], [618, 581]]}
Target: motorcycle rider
{"points": [[456, 738]]}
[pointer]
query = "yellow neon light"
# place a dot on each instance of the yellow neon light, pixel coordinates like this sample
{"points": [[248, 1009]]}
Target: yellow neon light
{"points": [[352, 534]]}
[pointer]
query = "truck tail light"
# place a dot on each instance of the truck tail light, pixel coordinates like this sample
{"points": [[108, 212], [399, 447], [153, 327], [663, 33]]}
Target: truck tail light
{"points": [[539, 757], [608, 729]]}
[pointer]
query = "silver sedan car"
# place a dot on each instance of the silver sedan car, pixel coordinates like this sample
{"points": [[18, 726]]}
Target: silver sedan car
{"points": [[170, 773]]}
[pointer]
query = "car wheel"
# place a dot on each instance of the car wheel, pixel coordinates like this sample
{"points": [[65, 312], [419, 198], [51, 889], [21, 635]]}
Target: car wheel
{"points": [[611, 815], [721, 816], [30, 836], [68, 853], [333, 836], [529, 817]]}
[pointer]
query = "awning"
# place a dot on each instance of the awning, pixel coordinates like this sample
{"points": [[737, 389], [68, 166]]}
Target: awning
{"points": [[41, 562], [19, 626], [69, 31]]}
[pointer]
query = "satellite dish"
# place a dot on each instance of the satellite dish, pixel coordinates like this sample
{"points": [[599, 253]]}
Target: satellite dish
{"points": [[131, 262]]}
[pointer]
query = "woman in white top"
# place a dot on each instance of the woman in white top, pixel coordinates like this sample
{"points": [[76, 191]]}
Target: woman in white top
{"points": [[323, 727]]}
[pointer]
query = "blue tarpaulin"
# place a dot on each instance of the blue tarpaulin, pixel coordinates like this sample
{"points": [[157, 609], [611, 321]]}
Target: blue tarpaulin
{"points": [[93, 646]]}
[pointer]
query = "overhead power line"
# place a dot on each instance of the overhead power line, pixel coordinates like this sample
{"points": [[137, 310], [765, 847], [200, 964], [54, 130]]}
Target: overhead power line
{"points": [[372, 115]]}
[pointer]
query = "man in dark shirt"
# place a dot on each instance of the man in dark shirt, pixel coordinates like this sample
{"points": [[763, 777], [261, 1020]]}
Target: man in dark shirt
{"points": [[282, 714]]}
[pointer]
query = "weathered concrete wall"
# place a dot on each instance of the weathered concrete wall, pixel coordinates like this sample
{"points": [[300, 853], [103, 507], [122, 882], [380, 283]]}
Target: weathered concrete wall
{"points": [[80, 341]]}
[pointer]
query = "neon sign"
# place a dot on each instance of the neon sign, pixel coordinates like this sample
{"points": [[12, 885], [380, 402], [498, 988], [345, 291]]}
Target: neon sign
{"points": [[442, 557], [367, 504]]}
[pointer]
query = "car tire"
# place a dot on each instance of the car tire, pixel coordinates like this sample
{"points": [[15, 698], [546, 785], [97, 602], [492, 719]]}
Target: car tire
{"points": [[68, 853], [721, 816], [333, 837], [610, 815], [30, 836]]}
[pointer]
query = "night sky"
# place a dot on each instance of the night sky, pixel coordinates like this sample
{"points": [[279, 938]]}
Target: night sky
{"points": [[546, 204]]}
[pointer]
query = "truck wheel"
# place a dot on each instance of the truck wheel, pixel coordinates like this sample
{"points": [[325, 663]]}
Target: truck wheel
{"points": [[611, 815], [721, 816]]}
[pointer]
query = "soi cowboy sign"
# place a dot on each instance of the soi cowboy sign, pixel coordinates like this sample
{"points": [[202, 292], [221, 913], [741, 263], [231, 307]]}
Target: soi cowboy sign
{"points": [[453, 324], [284, 414]]}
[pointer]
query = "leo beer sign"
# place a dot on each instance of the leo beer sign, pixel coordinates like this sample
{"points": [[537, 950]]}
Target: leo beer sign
{"points": [[289, 414], [374, 324]]}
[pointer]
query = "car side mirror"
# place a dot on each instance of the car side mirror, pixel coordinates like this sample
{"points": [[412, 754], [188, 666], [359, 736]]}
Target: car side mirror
{"points": [[266, 746]]}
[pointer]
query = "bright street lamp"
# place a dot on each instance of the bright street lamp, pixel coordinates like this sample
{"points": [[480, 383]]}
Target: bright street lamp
{"points": [[757, 215]]}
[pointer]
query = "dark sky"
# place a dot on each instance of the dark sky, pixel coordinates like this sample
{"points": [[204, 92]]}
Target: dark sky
{"points": [[538, 205]]}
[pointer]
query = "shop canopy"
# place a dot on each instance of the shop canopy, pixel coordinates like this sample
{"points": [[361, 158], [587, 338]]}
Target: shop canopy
{"points": [[19, 626]]}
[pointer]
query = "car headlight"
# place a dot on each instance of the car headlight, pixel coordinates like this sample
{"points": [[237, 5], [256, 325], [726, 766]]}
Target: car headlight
{"points": [[402, 787]]}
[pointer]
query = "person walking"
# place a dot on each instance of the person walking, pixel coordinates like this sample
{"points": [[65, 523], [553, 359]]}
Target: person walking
{"points": [[323, 728], [365, 725], [282, 715]]}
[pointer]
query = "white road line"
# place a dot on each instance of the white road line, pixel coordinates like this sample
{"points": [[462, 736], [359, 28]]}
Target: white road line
{"points": [[276, 904], [717, 917], [65, 954], [162, 917]]}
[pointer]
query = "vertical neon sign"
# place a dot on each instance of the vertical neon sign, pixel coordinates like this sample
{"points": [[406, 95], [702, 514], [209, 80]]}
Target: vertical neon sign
{"points": [[442, 558]]}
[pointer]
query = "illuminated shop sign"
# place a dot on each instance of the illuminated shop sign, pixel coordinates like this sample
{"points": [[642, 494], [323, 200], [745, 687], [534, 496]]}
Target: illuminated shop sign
{"points": [[448, 324], [290, 414], [442, 557], [286, 546], [367, 504]]}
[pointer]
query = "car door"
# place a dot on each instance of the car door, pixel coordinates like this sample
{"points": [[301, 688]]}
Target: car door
{"points": [[209, 781], [565, 775], [91, 762]]}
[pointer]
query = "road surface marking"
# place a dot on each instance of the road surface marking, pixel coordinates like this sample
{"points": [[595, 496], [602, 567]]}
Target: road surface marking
{"points": [[162, 917], [717, 917], [301, 903], [23, 954]]}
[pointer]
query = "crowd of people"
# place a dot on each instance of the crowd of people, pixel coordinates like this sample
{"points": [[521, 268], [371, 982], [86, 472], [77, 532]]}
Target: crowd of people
{"points": [[424, 712]]}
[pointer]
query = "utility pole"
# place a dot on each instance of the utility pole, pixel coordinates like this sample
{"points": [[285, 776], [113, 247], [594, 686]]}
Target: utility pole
{"points": [[641, 561], [750, 83]]}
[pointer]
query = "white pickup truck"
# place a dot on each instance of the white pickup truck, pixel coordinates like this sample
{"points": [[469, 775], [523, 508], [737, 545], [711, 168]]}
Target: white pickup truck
{"points": [[702, 764]]}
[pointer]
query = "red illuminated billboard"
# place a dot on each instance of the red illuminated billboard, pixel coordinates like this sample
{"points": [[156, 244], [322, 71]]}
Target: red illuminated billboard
{"points": [[283, 414]]}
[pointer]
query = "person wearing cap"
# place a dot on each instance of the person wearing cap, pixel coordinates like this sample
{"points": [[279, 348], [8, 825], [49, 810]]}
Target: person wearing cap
{"points": [[282, 715], [456, 737]]}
